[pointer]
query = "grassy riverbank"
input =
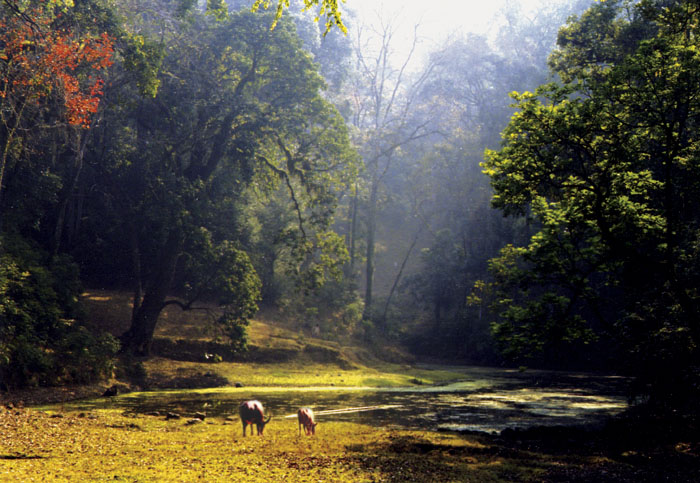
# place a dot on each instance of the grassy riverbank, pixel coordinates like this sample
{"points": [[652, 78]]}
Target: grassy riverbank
{"points": [[60, 444]]}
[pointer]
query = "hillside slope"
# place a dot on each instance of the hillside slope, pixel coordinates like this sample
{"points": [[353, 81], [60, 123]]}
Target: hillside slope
{"points": [[188, 353]]}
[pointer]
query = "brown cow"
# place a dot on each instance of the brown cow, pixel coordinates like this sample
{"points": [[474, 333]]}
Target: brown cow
{"points": [[306, 419], [252, 412]]}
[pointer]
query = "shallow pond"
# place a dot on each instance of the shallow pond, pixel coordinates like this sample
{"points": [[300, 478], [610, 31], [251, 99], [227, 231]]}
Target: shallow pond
{"points": [[487, 400]]}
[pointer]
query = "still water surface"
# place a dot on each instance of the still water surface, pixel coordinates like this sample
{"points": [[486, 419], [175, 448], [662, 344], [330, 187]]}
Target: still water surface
{"points": [[486, 400]]}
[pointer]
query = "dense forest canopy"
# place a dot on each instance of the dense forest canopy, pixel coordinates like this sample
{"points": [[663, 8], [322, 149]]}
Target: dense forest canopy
{"points": [[242, 154]]}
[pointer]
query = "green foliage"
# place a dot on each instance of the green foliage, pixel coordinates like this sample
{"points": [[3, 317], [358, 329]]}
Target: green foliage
{"points": [[143, 57], [40, 343], [224, 274], [132, 370], [599, 39], [83, 358], [239, 293], [235, 330], [607, 168], [218, 9], [334, 305], [200, 109], [469, 88]]}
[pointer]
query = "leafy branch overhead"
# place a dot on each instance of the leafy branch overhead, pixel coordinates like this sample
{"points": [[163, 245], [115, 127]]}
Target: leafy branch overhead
{"points": [[326, 8]]}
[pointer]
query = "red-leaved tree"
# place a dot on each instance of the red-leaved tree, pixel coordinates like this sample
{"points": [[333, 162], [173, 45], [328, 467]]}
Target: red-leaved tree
{"points": [[39, 64]]}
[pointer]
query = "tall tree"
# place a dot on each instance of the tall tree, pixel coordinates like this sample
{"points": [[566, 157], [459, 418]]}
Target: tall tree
{"points": [[607, 166], [52, 66], [49, 78], [236, 103], [387, 118]]}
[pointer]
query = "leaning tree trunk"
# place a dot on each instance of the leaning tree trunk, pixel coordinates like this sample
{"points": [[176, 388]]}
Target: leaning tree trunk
{"points": [[139, 337], [398, 275]]}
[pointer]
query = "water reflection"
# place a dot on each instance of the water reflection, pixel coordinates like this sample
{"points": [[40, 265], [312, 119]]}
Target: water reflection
{"points": [[489, 400]]}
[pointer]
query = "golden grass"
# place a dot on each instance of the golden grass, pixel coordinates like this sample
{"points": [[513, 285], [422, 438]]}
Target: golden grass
{"points": [[104, 445]]}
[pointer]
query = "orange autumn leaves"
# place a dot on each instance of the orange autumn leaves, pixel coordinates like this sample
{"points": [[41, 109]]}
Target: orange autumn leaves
{"points": [[63, 59], [37, 61]]}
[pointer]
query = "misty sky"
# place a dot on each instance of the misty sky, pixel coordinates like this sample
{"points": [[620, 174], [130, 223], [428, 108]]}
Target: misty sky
{"points": [[438, 19]]}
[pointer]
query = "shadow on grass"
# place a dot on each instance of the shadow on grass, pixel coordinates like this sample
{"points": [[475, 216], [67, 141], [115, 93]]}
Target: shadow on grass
{"points": [[553, 455], [623, 450], [415, 458], [20, 457]]}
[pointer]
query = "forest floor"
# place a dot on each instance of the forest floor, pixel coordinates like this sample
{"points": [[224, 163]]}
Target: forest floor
{"points": [[100, 445]]}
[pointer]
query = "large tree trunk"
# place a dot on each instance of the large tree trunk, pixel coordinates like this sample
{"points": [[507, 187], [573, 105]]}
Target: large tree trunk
{"points": [[139, 337]]}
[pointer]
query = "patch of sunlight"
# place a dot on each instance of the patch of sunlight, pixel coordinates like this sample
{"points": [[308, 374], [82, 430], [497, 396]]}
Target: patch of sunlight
{"points": [[375, 381], [588, 376], [244, 391], [491, 396], [552, 412], [359, 409], [524, 396], [489, 403], [607, 404], [451, 399], [456, 387], [474, 428], [571, 404], [96, 298]]}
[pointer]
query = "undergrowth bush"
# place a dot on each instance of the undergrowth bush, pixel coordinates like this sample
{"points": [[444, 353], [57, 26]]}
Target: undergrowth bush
{"points": [[41, 341]]}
